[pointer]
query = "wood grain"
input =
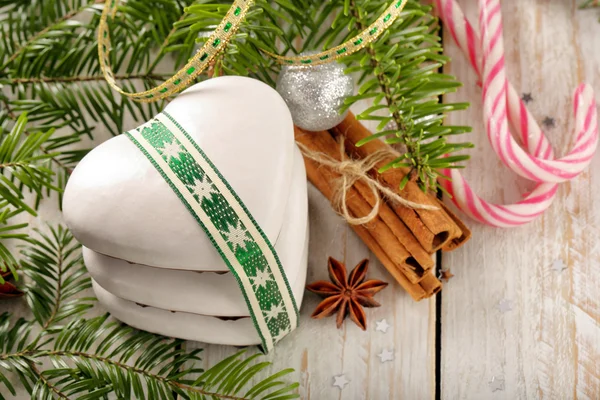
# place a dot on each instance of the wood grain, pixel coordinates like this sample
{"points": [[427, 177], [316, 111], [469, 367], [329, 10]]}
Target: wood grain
{"points": [[548, 345]]}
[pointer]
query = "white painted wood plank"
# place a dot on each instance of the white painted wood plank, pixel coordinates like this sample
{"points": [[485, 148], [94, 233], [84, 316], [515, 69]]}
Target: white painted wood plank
{"points": [[548, 346]]}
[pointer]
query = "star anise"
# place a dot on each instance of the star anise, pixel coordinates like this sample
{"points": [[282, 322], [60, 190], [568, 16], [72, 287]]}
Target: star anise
{"points": [[346, 295]]}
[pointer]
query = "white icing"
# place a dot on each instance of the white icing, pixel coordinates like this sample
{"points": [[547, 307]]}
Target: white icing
{"points": [[117, 204], [209, 293]]}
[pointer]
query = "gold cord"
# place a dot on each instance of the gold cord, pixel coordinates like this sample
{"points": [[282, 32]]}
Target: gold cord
{"points": [[217, 42]]}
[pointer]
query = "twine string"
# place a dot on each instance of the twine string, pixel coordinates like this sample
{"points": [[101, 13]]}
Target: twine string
{"points": [[351, 171]]}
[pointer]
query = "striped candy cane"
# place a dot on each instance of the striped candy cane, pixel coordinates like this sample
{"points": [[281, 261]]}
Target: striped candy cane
{"points": [[501, 105]]}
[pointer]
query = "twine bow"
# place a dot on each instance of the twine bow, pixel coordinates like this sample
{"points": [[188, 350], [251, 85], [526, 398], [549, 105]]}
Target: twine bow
{"points": [[351, 171]]}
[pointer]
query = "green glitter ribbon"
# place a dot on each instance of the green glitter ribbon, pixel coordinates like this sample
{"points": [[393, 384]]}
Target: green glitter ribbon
{"points": [[222, 215]]}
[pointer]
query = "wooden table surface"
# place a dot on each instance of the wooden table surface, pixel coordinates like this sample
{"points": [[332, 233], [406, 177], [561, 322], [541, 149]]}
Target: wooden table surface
{"points": [[461, 345], [547, 345]]}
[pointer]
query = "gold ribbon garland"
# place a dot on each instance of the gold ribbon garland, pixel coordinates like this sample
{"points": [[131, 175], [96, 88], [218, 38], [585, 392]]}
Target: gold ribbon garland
{"points": [[186, 75], [217, 42]]}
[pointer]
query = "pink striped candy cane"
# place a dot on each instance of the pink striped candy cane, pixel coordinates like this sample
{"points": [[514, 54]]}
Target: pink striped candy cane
{"points": [[488, 62], [495, 112], [531, 135]]}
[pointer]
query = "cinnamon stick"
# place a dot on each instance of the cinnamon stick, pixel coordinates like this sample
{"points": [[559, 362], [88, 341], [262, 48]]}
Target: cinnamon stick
{"points": [[398, 228], [431, 284], [418, 291], [399, 260], [434, 229], [466, 232]]}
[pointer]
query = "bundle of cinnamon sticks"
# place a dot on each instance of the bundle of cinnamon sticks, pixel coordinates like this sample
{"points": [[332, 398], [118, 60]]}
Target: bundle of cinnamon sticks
{"points": [[402, 238]]}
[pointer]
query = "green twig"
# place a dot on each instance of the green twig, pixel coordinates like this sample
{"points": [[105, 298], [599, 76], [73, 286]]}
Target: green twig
{"points": [[32, 39], [91, 78], [164, 44], [57, 298], [48, 384], [28, 354], [14, 117], [385, 88]]}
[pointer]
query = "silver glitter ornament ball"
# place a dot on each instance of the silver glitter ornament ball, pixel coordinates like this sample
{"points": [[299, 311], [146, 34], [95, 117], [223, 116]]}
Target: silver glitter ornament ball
{"points": [[315, 94]]}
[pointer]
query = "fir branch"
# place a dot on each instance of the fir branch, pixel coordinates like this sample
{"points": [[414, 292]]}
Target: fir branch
{"points": [[64, 53], [399, 74], [7, 107], [70, 355], [96, 357], [9, 231], [53, 25], [78, 79], [384, 83], [243, 55], [19, 155], [73, 366], [54, 265], [385, 86], [44, 382], [162, 50], [50, 155]]}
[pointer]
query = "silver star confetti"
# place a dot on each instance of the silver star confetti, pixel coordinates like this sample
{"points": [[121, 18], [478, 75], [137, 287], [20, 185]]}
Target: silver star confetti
{"points": [[497, 383], [527, 98], [386, 355], [559, 266], [340, 381], [505, 306], [382, 326], [549, 122]]}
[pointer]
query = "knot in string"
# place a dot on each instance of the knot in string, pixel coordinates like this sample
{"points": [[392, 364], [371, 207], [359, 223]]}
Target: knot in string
{"points": [[351, 171]]}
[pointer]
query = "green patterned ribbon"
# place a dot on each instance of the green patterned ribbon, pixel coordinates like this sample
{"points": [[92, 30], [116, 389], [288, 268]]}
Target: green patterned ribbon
{"points": [[233, 231]]}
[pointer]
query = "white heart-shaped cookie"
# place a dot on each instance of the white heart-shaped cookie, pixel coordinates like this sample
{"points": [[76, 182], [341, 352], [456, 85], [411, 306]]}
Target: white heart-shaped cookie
{"points": [[117, 204], [208, 293]]}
